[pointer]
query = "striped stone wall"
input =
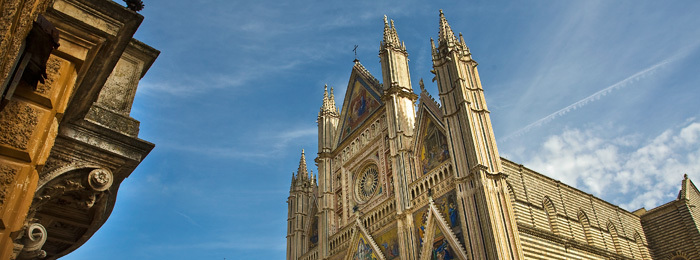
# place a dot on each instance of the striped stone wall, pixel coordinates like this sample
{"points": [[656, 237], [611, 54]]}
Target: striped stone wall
{"points": [[672, 228], [557, 221]]}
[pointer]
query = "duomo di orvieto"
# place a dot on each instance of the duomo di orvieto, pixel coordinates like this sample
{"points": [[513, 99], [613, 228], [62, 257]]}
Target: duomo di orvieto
{"points": [[396, 183]]}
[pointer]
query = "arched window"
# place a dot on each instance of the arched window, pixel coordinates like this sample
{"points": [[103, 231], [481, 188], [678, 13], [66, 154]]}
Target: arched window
{"points": [[551, 214], [643, 252], [614, 236], [586, 225]]}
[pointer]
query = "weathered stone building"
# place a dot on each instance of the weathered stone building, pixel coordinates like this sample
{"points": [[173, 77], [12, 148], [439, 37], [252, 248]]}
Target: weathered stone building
{"points": [[69, 70], [395, 183]]}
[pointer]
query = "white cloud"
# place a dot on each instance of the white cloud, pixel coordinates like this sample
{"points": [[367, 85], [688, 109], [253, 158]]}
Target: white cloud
{"points": [[626, 170]]}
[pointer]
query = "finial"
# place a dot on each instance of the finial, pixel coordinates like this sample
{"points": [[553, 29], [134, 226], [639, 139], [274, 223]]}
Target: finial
{"points": [[385, 21], [422, 87], [685, 176], [392, 23], [441, 12], [134, 5]]}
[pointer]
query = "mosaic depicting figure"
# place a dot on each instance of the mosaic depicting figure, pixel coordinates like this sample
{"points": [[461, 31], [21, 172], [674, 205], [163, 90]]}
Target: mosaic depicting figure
{"points": [[313, 234], [389, 244], [420, 218], [364, 251], [433, 150], [442, 251], [362, 104], [447, 206]]}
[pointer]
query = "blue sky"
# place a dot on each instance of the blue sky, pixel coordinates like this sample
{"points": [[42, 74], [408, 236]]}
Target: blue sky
{"points": [[602, 95]]}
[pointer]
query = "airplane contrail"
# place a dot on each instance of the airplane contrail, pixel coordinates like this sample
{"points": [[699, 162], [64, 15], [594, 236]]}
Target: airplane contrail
{"points": [[595, 96]]}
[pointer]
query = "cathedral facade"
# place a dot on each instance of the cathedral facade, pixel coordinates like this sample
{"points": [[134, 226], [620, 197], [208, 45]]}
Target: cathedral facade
{"points": [[396, 183]]}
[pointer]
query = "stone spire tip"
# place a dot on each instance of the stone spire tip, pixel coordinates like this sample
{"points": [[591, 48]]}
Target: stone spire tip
{"points": [[302, 171], [445, 35]]}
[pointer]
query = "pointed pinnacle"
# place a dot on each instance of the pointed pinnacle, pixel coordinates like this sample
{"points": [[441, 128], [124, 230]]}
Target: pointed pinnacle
{"points": [[302, 171], [422, 87], [332, 98], [326, 106], [332, 101], [445, 35], [391, 38]]}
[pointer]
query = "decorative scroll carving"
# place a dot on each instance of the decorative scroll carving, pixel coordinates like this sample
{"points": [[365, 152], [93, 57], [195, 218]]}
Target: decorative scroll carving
{"points": [[34, 238]]}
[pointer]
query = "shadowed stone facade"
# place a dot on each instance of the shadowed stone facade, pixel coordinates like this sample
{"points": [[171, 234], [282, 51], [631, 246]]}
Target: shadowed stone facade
{"points": [[67, 140], [396, 183]]}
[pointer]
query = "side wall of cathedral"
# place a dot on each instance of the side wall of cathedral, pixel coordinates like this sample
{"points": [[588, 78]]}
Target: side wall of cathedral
{"points": [[672, 228], [557, 221]]}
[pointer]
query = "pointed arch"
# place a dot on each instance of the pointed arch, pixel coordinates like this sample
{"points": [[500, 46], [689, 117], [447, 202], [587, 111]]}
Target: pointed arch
{"points": [[551, 213], [511, 193], [586, 225], [643, 252], [512, 199], [614, 236]]}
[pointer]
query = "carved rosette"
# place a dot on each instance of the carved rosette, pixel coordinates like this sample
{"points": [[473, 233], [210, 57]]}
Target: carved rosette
{"points": [[100, 179]]}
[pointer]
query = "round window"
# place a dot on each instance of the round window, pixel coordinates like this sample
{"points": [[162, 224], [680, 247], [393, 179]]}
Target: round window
{"points": [[367, 182]]}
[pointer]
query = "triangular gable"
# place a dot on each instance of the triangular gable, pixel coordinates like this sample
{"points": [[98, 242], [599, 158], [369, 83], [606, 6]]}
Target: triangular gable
{"points": [[431, 145], [362, 99], [363, 246], [440, 241]]}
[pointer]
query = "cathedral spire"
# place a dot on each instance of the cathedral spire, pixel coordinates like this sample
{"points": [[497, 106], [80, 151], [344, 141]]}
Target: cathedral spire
{"points": [[445, 36], [302, 172], [328, 107], [391, 38]]}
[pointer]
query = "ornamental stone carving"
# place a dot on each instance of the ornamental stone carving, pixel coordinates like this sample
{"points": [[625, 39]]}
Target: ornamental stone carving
{"points": [[100, 179], [34, 238]]}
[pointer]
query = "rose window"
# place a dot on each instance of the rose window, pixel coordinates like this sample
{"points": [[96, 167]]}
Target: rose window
{"points": [[367, 182]]}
